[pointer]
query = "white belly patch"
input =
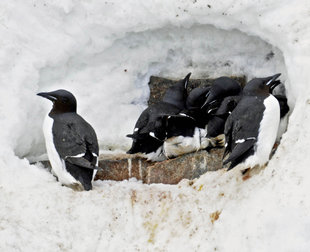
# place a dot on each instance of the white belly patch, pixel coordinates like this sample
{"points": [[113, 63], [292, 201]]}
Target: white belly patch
{"points": [[179, 145], [58, 164], [266, 135]]}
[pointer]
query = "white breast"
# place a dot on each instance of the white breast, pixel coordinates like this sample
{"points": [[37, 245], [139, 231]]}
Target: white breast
{"points": [[267, 133], [179, 145], [58, 164]]}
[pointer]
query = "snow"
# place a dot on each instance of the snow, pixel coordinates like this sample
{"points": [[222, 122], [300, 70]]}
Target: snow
{"points": [[104, 53]]}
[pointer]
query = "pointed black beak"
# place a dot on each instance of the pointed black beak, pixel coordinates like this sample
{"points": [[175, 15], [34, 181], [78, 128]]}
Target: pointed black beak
{"points": [[271, 79], [273, 82], [186, 79], [207, 100], [48, 96], [130, 135]]}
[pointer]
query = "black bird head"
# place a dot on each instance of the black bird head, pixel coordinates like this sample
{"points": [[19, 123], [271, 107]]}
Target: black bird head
{"points": [[63, 101], [176, 94], [261, 85], [194, 102], [221, 88], [196, 97]]}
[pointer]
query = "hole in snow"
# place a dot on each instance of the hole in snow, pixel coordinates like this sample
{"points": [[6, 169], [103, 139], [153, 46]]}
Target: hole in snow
{"points": [[111, 83]]}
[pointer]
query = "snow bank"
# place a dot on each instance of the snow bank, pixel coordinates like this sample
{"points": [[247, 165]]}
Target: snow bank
{"points": [[104, 52]]}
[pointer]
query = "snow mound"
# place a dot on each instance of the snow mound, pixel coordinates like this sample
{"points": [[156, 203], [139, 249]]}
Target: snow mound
{"points": [[104, 53]]}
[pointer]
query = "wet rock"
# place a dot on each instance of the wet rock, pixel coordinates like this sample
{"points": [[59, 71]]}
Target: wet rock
{"points": [[122, 166], [188, 166], [172, 171]]}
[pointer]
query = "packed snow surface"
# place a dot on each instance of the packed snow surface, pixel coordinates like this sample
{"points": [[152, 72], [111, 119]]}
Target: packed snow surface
{"points": [[104, 52]]}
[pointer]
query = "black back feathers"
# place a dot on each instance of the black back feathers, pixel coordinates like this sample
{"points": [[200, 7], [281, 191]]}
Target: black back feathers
{"points": [[150, 129], [241, 129], [176, 95], [73, 138], [221, 88], [179, 125], [217, 119], [243, 125]]}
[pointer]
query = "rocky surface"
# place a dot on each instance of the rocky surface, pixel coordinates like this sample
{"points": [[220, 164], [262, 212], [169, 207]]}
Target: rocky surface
{"points": [[122, 166], [119, 167], [189, 166], [172, 171]]}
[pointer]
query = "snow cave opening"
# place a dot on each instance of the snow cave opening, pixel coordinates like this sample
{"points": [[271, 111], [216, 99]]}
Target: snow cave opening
{"points": [[120, 73]]}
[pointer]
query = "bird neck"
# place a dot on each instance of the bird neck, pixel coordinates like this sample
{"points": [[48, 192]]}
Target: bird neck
{"points": [[260, 92], [61, 109]]}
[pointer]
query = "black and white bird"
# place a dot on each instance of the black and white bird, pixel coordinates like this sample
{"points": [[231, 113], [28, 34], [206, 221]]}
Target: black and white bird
{"points": [[71, 142], [177, 124], [218, 117], [186, 131], [194, 101], [251, 128], [150, 129], [189, 130], [219, 102], [183, 136], [222, 87]]}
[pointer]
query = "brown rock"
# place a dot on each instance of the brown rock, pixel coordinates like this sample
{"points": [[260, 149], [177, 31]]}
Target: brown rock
{"points": [[188, 166], [122, 166], [172, 171]]}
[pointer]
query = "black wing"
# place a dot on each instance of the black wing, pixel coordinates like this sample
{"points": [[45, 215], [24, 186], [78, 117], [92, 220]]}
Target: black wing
{"points": [[216, 126], [179, 125], [241, 129], [217, 119], [228, 105], [150, 119], [75, 140], [240, 152], [228, 135], [176, 94], [143, 119], [197, 97], [150, 131]]}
